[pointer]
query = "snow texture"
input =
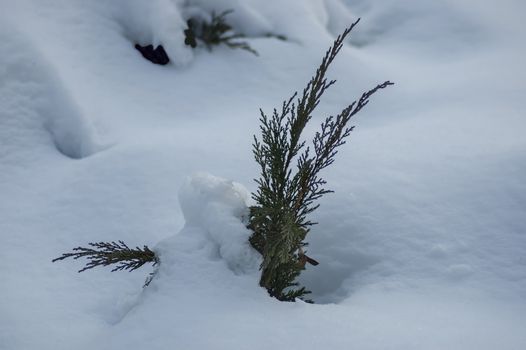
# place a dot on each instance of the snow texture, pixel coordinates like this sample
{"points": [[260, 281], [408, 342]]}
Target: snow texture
{"points": [[34, 101], [420, 247], [219, 208]]}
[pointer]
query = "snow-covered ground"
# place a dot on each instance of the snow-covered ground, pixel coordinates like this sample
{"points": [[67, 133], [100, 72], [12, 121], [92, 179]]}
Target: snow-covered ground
{"points": [[422, 245]]}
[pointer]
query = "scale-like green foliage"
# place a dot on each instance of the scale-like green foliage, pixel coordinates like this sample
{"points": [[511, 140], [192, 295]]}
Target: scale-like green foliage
{"points": [[290, 182], [217, 31], [113, 253]]}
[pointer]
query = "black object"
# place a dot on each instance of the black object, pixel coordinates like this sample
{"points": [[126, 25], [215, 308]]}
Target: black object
{"points": [[157, 55]]}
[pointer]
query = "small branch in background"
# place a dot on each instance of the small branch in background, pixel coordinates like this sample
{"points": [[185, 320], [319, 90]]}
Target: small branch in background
{"points": [[280, 37], [215, 32], [113, 253]]}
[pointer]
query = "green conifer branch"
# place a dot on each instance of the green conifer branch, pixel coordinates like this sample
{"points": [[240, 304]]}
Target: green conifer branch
{"points": [[112, 253], [287, 193], [217, 31]]}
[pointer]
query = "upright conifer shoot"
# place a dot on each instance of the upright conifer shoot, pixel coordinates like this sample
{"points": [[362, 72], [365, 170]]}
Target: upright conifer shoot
{"points": [[290, 182]]}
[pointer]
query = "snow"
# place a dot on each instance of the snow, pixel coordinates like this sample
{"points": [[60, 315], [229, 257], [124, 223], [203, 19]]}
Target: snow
{"points": [[34, 101], [420, 247], [219, 207]]}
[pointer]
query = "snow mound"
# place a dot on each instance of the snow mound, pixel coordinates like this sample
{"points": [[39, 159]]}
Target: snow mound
{"points": [[216, 208], [156, 22], [162, 22], [299, 21], [33, 100]]}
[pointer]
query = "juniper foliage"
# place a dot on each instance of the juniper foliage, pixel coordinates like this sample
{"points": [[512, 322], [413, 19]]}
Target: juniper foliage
{"points": [[217, 31], [113, 253], [290, 183]]}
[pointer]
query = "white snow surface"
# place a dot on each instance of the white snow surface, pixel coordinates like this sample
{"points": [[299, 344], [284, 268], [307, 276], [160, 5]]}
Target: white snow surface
{"points": [[422, 245]]}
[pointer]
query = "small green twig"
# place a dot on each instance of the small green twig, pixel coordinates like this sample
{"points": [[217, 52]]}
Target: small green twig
{"points": [[217, 31], [112, 253]]}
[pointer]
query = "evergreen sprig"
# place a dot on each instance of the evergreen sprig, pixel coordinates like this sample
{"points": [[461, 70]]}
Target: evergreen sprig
{"points": [[112, 253], [217, 31], [290, 183]]}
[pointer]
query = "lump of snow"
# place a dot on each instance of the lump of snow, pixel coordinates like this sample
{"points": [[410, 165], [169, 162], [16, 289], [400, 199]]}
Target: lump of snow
{"points": [[218, 208], [155, 22]]}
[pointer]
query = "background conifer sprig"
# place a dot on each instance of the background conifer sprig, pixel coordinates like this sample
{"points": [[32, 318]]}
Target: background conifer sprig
{"points": [[112, 253], [289, 182], [214, 32]]}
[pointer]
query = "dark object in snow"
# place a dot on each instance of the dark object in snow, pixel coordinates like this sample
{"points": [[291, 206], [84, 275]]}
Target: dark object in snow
{"points": [[114, 253], [290, 183], [157, 55]]}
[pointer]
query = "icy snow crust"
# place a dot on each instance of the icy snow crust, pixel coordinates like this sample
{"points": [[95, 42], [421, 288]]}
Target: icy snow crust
{"points": [[420, 247]]}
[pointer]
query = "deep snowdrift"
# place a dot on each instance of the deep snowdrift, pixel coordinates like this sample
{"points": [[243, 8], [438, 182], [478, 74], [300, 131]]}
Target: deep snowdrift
{"points": [[420, 247]]}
